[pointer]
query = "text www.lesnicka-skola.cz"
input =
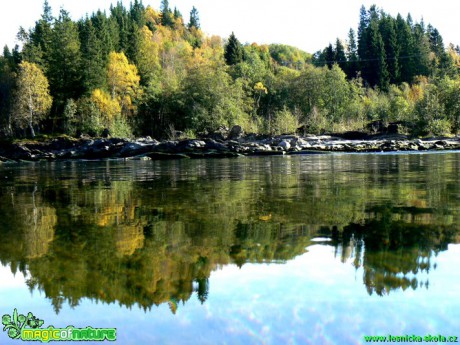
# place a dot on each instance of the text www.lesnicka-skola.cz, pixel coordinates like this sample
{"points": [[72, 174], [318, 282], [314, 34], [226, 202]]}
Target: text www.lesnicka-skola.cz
{"points": [[411, 339]]}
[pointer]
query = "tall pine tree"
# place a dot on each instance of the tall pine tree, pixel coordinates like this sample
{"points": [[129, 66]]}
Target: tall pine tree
{"points": [[65, 61], [339, 55], [388, 32], [194, 21], [167, 17], [233, 51], [352, 55]]}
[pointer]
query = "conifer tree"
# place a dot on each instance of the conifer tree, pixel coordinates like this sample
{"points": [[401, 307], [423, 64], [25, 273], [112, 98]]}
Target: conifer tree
{"points": [[64, 71], [339, 55], [362, 36], [194, 21], [7, 85], [376, 71], [352, 55], [136, 12], [388, 32], [406, 49], [167, 18], [94, 57], [421, 51], [176, 13], [121, 18], [329, 55], [233, 51]]}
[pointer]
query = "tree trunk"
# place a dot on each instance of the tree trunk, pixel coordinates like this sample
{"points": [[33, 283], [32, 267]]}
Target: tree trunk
{"points": [[31, 116], [31, 127]]}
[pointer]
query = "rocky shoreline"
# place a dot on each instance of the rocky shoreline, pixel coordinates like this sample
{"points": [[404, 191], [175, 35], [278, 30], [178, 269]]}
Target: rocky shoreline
{"points": [[65, 148]]}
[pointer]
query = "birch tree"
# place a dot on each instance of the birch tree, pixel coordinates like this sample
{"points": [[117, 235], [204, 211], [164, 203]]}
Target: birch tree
{"points": [[33, 100]]}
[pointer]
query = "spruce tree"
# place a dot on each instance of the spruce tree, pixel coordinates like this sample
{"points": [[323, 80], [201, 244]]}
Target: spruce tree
{"points": [[421, 51], [136, 13], [94, 58], [352, 55], [176, 13], [388, 32], [65, 61], [194, 21], [406, 49], [233, 51], [37, 43], [339, 55], [120, 16], [362, 38], [376, 72], [436, 41], [167, 18], [329, 56]]}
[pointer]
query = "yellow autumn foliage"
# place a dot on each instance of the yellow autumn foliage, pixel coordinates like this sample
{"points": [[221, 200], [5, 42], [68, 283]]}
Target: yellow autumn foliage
{"points": [[123, 80], [108, 107], [33, 100]]}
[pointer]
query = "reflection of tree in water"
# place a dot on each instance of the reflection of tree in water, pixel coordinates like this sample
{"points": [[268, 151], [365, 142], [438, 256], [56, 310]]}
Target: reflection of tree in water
{"points": [[147, 233], [30, 220], [394, 254], [107, 246]]}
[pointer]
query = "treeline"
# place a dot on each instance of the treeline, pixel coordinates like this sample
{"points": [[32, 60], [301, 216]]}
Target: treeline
{"points": [[139, 71], [391, 50]]}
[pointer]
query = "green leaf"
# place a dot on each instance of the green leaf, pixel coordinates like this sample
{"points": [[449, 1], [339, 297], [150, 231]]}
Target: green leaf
{"points": [[14, 333], [15, 316], [6, 319]]}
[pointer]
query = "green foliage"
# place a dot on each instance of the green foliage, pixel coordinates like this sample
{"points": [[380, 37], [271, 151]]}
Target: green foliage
{"points": [[32, 97], [430, 113], [64, 71], [317, 122], [167, 17], [155, 72], [120, 128], [7, 85], [289, 56], [194, 21], [285, 122], [233, 51], [216, 100], [90, 118], [70, 117]]}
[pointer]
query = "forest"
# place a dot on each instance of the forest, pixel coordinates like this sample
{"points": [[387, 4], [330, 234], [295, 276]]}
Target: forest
{"points": [[142, 71]]}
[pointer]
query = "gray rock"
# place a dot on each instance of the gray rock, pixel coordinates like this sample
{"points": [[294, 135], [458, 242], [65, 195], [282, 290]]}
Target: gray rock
{"points": [[235, 133], [214, 145], [285, 145], [195, 144]]}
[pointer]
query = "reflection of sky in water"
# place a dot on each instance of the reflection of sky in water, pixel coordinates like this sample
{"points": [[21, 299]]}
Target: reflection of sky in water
{"points": [[313, 299]]}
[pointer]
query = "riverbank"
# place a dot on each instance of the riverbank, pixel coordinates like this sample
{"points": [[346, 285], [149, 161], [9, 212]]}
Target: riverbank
{"points": [[65, 148]]}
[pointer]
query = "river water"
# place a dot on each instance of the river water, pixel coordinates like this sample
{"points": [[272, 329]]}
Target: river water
{"points": [[313, 249]]}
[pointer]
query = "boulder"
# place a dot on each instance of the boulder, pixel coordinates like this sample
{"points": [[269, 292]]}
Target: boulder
{"points": [[285, 145], [235, 133]]}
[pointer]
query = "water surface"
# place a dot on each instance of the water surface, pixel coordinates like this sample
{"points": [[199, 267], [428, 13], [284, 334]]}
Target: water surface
{"points": [[320, 249]]}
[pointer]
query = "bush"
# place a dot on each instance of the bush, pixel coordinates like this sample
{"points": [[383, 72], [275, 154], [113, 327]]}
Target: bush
{"points": [[120, 128], [439, 127], [90, 121], [317, 122], [284, 122]]}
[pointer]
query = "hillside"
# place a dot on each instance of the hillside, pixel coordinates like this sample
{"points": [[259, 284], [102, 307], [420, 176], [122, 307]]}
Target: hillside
{"points": [[144, 71]]}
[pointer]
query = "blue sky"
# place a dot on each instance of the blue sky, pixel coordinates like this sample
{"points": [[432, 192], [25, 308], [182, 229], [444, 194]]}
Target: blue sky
{"points": [[309, 25]]}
